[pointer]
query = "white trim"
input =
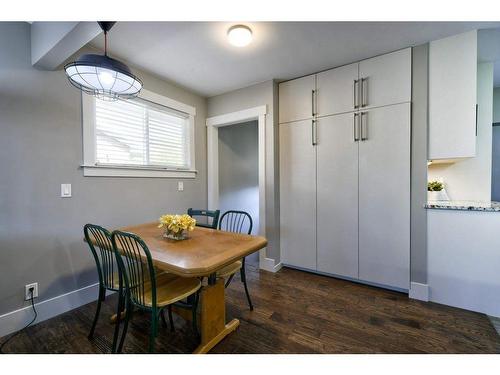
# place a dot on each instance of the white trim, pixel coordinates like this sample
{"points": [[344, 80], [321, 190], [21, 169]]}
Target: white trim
{"points": [[236, 117], [17, 319], [167, 102], [213, 123], [268, 264], [147, 172], [419, 291], [91, 169]]}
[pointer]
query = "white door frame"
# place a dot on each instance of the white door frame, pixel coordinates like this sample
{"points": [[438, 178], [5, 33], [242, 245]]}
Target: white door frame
{"points": [[213, 125]]}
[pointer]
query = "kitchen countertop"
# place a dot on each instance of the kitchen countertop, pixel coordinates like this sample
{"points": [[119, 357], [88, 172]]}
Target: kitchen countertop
{"points": [[491, 206]]}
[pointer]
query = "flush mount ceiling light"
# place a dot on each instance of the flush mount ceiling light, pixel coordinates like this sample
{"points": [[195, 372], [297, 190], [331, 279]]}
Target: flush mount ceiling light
{"points": [[101, 76], [239, 35]]}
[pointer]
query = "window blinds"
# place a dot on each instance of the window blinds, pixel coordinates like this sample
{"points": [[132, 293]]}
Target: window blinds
{"points": [[140, 133]]}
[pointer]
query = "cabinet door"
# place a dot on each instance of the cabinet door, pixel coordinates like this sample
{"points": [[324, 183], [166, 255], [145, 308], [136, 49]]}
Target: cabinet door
{"points": [[337, 202], [296, 99], [335, 91], [452, 96], [386, 79], [384, 196], [298, 194]]}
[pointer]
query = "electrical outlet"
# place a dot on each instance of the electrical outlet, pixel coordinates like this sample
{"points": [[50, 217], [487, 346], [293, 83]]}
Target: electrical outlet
{"points": [[27, 292], [180, 186]]}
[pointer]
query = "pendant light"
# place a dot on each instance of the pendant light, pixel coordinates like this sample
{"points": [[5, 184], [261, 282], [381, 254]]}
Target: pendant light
{"points": [[101, 76]]}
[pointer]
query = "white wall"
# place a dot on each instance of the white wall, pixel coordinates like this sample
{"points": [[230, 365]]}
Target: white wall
{"points": [[470, 179], [239, 169]]}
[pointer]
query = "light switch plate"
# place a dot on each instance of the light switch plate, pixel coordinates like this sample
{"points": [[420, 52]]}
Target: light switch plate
{"points": [[65, 190], [180, 186]]}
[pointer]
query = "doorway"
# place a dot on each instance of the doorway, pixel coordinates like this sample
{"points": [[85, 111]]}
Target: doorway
{"points": [[244, 122], [239, 172]]}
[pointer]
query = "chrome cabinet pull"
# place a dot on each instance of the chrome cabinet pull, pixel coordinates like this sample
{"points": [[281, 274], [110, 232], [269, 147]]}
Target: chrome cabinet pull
{"points": [[314, 133], [355, 93], [364, 126], [312, 103], [356, 127], [364, 93]]}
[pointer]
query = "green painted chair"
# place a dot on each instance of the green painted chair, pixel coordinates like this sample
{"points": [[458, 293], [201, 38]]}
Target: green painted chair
{"points": [[147, 290], [208, 214], [101, 246], [237, 222]]}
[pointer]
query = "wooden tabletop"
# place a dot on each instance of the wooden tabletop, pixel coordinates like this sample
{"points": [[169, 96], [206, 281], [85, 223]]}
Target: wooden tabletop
{"points": [[203, 253]]}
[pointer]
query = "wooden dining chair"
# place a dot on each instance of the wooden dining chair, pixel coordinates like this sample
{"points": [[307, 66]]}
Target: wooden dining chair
{"points": [[238, 222], [212, 217], [101, 247], [147, 290]]}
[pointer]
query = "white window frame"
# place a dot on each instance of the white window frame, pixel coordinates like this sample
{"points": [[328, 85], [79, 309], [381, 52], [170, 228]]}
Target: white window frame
{"points": [[92, 169]]}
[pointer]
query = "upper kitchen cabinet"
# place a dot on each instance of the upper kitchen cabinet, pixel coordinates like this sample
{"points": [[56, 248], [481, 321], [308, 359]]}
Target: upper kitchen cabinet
{"points": [[452, 96], [337, 90], [385, 79], [297, 99]]}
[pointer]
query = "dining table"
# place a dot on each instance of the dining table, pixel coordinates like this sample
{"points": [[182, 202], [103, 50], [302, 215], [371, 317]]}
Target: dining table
{"points": [[202, 254]]}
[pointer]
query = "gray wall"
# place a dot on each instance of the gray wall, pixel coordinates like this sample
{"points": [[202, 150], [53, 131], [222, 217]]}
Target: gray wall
{"points": [[260, 94], [40, 148], [239, 169], [418, 244]]}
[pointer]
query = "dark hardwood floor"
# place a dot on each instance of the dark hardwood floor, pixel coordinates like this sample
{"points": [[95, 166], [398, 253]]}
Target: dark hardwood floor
{"points": [[296, 312]]}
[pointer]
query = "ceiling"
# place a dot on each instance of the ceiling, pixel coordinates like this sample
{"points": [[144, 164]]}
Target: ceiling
{"points": [[197, 56]]}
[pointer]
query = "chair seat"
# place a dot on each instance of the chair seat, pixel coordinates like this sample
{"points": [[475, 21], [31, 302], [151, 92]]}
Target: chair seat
{"points": [[116, 278], [230, 269], [170, 289]]}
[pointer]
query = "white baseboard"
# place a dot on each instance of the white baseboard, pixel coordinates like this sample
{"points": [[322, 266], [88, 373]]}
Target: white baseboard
{"points": [[268, 264], [419, 291], [17, 319]]}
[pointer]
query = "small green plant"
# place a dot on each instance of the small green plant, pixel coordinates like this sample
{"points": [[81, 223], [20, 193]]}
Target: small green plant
{"points": [[435, 186]]}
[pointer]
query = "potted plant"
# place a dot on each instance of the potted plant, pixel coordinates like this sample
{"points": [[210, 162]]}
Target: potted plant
{"points": [[177, 226], [436, 191]]}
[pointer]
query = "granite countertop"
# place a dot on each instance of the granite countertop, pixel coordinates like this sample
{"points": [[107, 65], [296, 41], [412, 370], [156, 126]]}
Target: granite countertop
{"points": [[464, 205]]}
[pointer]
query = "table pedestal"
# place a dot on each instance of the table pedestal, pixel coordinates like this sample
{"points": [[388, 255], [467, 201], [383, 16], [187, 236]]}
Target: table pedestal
{"points": [[213, 317]]}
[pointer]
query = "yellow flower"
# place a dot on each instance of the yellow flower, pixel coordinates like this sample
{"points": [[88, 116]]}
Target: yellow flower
{"points": [[177, 223]]}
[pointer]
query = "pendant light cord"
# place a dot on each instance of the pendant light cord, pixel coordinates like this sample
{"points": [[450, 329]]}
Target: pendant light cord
{"points": [[105, 43]]}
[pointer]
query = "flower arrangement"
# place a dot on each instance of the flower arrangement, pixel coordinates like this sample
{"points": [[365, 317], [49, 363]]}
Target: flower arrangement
{"points": [[177, 226], [435, 186]]}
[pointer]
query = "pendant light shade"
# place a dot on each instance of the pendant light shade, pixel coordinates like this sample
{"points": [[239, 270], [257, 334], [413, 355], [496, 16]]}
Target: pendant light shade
{"points": [[103, 77]]}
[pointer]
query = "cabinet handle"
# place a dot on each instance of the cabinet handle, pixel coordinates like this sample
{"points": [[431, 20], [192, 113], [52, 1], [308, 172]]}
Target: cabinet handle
{"points": [[356, 127], [364, 126], [314, 133], [355, 93], [312, 103], [364, 99]]}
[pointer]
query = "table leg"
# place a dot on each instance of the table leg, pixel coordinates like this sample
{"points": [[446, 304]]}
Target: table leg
{"points": [[213, 316]]}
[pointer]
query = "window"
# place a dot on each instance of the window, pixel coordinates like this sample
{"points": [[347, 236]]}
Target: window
{"points": [[150, 136]]}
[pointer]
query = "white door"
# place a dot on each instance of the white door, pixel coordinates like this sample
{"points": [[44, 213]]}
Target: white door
{"points": [[384, 196], [386, 79], [337, 90], [298, 194], [296, 99], [337, 199]]}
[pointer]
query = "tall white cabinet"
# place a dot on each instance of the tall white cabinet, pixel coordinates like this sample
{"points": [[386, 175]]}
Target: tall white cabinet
{"points": [[345, 171]]}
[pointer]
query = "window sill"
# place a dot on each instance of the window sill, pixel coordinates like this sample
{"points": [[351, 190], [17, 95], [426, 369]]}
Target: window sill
{"points": [[145, 172]]}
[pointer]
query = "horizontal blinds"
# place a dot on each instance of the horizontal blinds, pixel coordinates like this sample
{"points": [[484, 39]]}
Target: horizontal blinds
{"points": [[138, 133]]}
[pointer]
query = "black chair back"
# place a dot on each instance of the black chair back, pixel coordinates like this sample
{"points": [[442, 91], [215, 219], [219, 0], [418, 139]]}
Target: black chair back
{"points": [[136, 265], [236, 221], [211, 217], [101, 246]]}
